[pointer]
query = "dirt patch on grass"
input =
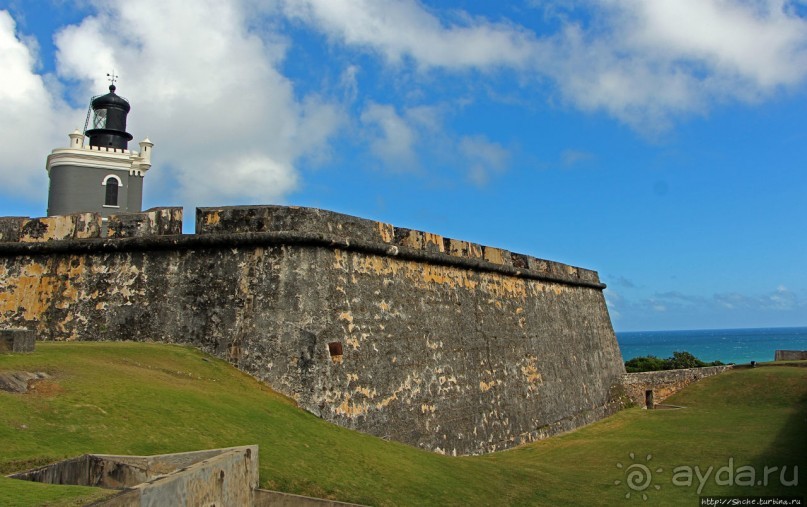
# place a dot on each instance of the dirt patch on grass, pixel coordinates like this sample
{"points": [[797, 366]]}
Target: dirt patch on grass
{"points": [[47, 388]]}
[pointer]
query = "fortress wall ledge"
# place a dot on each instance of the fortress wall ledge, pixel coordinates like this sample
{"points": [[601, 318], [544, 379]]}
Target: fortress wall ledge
{"points": [[348, 229], [438, 343], [152, 222], [56, 228], [83, 226]]}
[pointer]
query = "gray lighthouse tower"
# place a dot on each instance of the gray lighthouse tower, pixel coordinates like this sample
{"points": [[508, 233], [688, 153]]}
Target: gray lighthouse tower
{"points": [[104, 176]]}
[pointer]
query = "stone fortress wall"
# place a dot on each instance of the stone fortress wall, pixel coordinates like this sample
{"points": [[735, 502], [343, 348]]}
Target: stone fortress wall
{"points": [[439, 343]]}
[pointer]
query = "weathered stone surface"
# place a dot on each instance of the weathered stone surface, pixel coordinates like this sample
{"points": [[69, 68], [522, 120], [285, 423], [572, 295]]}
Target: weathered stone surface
{"points": [[152, 222], [16, 340], [19, 381], [10, 228], [252, 219], [790, 355], [452, 354], [665, 383], [56, 228]]}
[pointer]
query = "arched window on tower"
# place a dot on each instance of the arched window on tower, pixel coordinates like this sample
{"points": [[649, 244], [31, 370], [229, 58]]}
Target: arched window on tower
{"points": [[112, 184]]}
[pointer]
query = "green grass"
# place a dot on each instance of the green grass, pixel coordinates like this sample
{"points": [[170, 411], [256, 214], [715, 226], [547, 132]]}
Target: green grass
{"points": [[126, 398]]}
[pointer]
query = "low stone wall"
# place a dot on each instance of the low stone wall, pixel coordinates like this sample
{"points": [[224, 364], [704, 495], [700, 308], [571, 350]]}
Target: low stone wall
{"points": [[790, 355], [663, 384], [226, 477], [16, 341]]}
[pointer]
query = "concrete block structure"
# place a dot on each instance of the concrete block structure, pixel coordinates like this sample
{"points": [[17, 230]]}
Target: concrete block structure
{"points": [[16, 341], [790, 355], [225, 477]]}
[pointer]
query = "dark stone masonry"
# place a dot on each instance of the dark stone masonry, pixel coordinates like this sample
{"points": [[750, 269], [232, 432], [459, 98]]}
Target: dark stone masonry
{"points": [[16, 340], [439, 343]]}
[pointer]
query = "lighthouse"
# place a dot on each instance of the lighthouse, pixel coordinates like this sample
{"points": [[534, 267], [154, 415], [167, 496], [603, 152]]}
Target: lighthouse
{"points": [[97, 172]]}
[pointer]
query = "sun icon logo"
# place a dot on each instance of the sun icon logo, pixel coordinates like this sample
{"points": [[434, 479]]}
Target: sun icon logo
{"points": [[638, 476]]}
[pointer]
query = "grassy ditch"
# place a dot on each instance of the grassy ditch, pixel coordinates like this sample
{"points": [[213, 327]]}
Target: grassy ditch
{"points": [[127, 398]]}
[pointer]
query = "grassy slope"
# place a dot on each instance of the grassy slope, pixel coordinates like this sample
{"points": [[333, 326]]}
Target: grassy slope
{"points": [[125, 398]]}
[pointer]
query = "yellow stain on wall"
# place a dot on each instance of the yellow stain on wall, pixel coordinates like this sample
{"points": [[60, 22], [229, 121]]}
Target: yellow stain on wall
{"points": [[28, 293], [212, 218], [348, 317], [413, 239], [351, 410], [487, 386], [434, 239], [365, 391], [442, 275], [56, 228], [410, 385], [530, 370], [425, 276], [339, 260], [494, 255], [434, 345], [505, 286], [386, 231], [373, 264]]}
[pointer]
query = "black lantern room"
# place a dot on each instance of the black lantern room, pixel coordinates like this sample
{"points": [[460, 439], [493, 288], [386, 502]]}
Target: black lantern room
{"points": [[109, 121]]}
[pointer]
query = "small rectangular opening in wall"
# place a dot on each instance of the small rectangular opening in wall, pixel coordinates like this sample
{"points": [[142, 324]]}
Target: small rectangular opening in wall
{"points": [[648, 398], [335, 349]]}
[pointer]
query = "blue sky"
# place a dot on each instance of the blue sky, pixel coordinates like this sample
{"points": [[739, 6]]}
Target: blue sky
{"points": [[662, 143]]}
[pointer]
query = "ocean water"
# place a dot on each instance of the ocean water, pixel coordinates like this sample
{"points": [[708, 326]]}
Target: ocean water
{"points": [[727, 345]]}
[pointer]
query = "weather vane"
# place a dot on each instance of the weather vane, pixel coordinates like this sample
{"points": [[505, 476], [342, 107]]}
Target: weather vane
{"points": [[112, 77]]}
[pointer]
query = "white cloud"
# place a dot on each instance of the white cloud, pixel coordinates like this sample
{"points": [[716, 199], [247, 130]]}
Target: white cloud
{"points": [[205, 89], [483, 158], [205, 84], [613, 301], [392, 137], [249, 177], [759, 40], [573, 157], [399, 29], [732, 304], [643, 61], [31, 117], [648, 61], [782, 299], [349, 83], [404, 141]]}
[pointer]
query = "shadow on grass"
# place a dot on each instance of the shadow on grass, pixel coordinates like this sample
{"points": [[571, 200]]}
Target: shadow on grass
{"points": [[782, 468]]}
